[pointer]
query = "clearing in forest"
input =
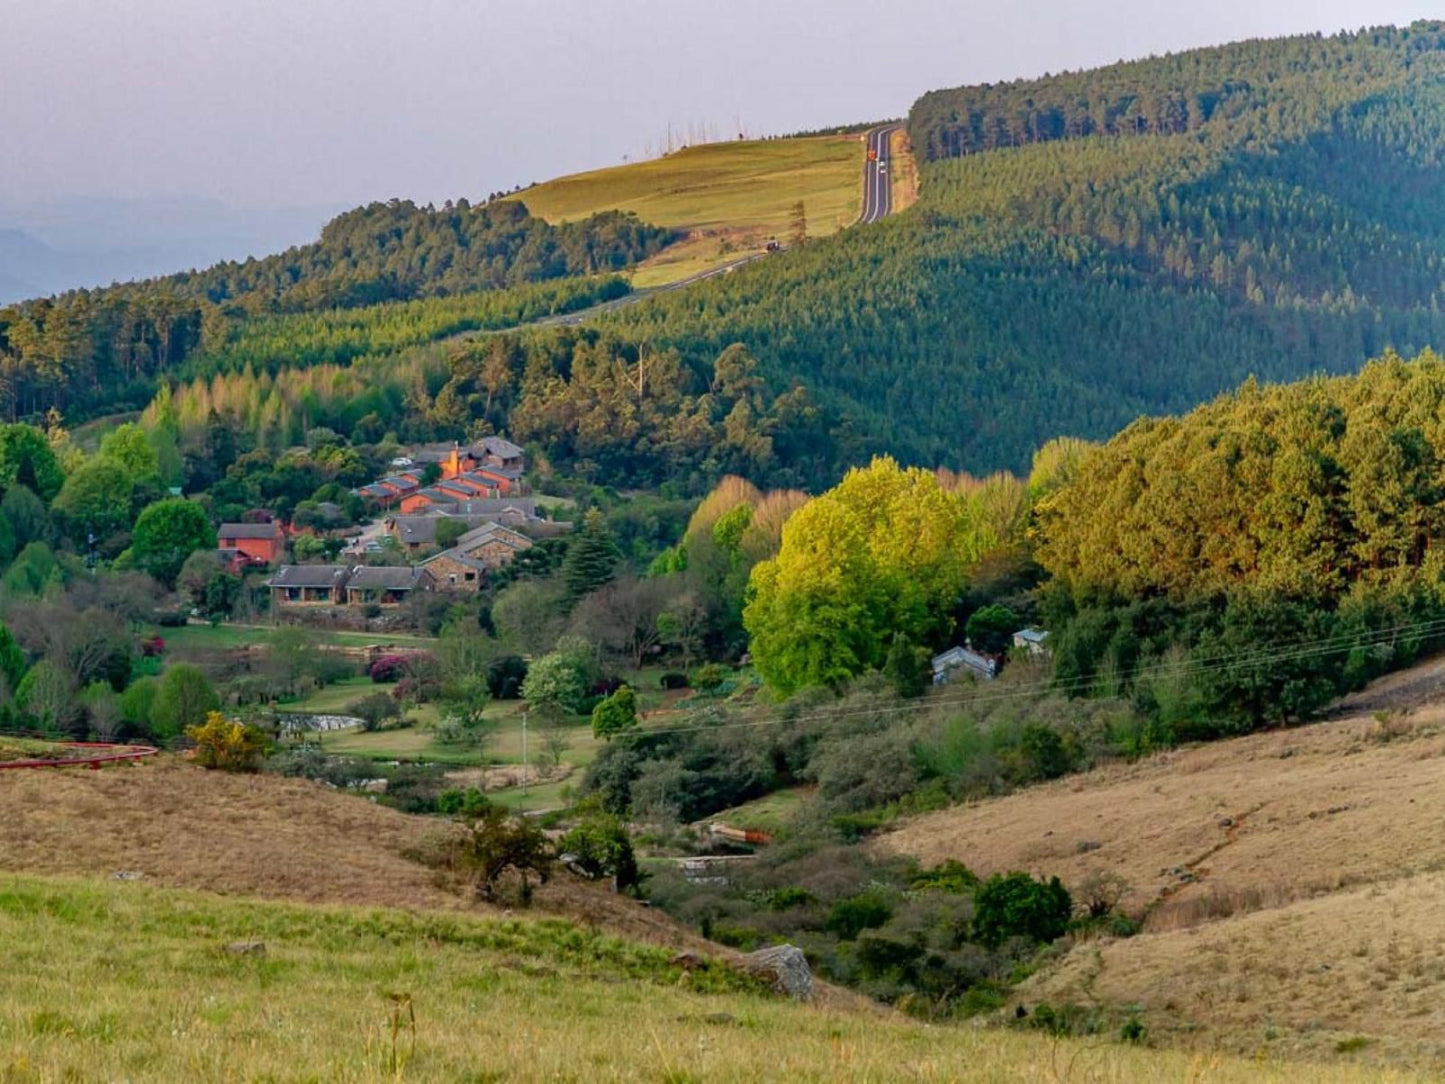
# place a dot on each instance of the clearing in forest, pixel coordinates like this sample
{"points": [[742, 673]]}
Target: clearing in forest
{"points": [[727, 199]]}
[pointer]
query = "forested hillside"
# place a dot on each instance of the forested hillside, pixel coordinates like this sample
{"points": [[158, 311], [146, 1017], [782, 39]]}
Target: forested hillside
{"points": [[1100, 245], [94, 347], [1292, 530]]}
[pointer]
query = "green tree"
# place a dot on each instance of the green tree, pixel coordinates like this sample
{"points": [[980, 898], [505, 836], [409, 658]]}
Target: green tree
{"points": [[130, 446], [591, 559], [25, 516], [95, 499], [615, 715], [1015, 905], [599, 846], [137, 704], [183, 699], [12, 661], [561, 678], [27, 459], [907, 667], [877, 555], [449, 530], [46, 694], [33, 572], [991, 628], [167, 533]]}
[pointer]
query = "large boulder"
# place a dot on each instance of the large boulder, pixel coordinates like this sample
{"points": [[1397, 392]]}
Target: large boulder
{"points": [[787, 967]]}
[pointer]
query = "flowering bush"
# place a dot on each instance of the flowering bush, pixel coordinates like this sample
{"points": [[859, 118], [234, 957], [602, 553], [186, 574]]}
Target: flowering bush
{"points": [[228, 744], [386, 668], [152, 647]]}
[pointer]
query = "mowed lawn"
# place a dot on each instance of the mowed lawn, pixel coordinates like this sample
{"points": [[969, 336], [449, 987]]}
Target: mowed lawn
{"points": [[221, 637], [733, 195]]}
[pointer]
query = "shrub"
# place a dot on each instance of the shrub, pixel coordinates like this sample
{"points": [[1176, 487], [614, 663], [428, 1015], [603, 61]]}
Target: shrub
{"points": [[467, 804], [374, 710], [1100, 892], [851, 916], [505, 677], [152, 647], [784, 899], [1044, 756], [494, 843], [950, 876], [1015, 905], [416, 690], [599, 846], [1134, 1031], [709, 677], [228, 744], [615, 715], [673, 681], [389, 668]]}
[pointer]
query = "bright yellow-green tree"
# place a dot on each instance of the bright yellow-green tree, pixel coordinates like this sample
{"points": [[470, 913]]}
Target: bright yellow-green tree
{"points": [[881, 553]]}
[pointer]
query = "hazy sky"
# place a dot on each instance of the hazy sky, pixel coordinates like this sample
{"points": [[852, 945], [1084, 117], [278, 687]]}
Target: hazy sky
{"points": [[277, 102]]}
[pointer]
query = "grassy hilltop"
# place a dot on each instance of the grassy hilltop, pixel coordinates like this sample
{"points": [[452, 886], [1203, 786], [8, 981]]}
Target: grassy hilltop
{"points": [[726, 198]]}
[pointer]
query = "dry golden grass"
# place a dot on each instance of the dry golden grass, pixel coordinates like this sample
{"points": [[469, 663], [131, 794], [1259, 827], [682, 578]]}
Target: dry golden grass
{"points": [[903, 175], [131, 982], [1275, 871], [726, 199], [263, 836]]}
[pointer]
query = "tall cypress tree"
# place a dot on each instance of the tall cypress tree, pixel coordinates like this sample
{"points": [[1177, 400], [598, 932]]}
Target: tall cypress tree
{"points": [[591, 559]]}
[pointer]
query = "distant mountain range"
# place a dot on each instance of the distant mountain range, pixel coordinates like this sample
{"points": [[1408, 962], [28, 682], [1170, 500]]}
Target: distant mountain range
{"points": [[50, 247]]}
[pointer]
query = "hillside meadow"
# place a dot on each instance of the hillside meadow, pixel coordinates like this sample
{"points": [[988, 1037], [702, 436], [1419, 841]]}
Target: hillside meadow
{"points": [[177, 987], [725, 198], [1289, 882]]}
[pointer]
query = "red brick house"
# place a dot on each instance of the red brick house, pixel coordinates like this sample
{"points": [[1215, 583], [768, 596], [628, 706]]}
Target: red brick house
{"points": [[243, 544]]}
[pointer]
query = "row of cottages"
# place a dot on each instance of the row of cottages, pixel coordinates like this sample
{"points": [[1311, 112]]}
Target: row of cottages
{"points": [[484, 549], [418, 532], [250, 545], [484, 483], [490, 467], [343, 585]]}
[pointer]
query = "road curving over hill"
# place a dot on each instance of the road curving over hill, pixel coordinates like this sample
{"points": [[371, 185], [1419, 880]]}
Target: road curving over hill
{"points": [[877, 204]]}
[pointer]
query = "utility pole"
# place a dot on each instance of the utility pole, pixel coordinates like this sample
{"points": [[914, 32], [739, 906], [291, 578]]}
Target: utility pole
{"points": [[524, 756]]}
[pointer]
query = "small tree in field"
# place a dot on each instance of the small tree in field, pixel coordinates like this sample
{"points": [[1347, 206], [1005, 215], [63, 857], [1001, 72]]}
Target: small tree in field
{"points": [[556, 738], [615, 715], [494, 842]]}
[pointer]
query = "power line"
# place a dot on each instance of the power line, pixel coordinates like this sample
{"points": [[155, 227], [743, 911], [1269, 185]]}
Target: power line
{"points": [[1293, 652]]}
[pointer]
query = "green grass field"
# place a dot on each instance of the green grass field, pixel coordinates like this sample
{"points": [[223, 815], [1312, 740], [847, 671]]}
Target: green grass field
{"points": [[733, 196], [107, 981], [221, 637]]}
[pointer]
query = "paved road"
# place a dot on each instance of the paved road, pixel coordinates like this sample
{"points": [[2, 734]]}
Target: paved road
{"points": [[877, 184], [877, 203]]}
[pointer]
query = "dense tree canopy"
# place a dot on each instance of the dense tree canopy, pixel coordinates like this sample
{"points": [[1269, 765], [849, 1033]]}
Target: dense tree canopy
{"points": [[1249, 561], [90, 347], [881, 553], [1067, 285]]}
